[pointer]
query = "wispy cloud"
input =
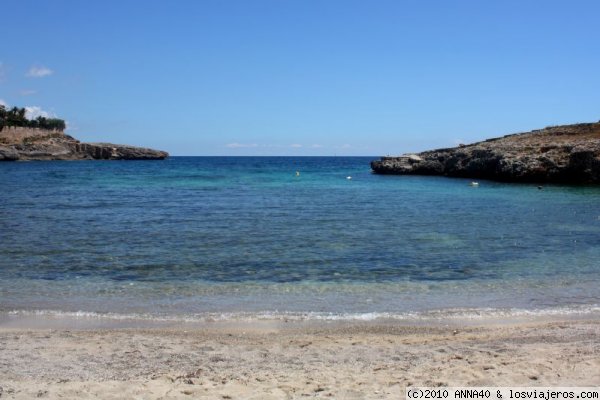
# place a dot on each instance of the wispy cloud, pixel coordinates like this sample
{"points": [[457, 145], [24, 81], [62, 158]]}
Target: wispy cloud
{"points": [[27, 92], [32, 112], [70, 127], [38, 72], [236, 145]]}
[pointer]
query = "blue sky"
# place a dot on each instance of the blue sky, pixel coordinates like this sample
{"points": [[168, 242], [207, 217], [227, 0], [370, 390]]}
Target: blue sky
{"points": [[302, 77]]}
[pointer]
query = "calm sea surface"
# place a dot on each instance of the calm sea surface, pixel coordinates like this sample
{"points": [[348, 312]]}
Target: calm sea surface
{"points": [[199, 236]]}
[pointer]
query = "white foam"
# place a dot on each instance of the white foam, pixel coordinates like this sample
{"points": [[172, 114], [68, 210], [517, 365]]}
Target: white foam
{"points": [[421, 316]]}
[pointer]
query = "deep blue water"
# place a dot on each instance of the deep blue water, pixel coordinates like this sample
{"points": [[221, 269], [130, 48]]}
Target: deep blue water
{"points": [[244, 234]]}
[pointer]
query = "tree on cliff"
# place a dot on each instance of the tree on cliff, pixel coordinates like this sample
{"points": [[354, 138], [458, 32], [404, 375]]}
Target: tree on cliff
{"points": [[16, 117]]}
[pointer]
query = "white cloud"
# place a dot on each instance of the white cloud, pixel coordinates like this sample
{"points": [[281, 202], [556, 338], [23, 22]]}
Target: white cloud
{"points": [[38, 72], [240, 145], [345, 146], [236, 145], [32, 112], [71, 127], [3, 103], [27, 92]]}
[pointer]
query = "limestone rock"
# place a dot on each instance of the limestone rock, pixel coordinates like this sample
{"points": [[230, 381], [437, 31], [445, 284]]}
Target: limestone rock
{"points": [[8, 154], [51, 145], [565, 154]]}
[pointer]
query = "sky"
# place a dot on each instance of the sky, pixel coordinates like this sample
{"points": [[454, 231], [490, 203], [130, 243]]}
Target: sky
{"points": [[301, 77]]}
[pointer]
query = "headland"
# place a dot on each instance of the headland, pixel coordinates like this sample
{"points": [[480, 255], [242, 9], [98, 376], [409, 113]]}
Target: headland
{"points": [[23, 139], [557, 154]]}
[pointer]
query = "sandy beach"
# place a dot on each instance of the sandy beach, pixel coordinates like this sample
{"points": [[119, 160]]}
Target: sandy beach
{"points": [[342, 361]]}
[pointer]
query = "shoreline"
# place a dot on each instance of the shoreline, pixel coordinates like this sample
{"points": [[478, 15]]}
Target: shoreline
{"points": [[90, 320], [353, 360]]}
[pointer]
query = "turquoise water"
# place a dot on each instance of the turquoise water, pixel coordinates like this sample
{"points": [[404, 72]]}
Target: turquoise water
{"points": [[194, 236]]}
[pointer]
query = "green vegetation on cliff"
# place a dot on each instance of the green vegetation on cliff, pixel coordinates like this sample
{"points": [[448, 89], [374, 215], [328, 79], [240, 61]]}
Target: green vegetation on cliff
{"points": [[16, 117]]}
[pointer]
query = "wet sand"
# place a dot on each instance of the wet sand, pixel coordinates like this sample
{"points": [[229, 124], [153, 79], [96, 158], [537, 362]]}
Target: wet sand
{"points": [[341, 361]]}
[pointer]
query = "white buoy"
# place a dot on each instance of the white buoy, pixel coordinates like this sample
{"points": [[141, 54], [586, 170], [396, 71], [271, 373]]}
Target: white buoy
{"points": [[348, 177], [297, 173], [474, 184]]}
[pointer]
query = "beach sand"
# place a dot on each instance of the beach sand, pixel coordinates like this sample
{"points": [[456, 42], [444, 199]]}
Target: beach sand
{"points": [[341, 361]]}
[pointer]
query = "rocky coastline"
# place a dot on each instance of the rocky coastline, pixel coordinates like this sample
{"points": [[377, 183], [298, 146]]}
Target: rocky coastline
{"points": [[28, 144], [557, 154]]}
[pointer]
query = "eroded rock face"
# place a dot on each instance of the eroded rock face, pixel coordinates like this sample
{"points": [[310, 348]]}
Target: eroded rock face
{"points": [[50, 145], [8, 154], [562, 154]]}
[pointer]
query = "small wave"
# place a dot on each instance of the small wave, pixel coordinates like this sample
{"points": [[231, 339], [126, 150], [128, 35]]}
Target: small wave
{"points": [[421, 316]]}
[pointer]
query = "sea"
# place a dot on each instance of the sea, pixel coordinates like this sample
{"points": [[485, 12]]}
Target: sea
{"points": [[294, 238]]}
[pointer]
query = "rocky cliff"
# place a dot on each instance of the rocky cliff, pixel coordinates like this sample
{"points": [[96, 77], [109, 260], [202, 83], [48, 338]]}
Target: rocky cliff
{"points": [[561, 154], [39, 144]]}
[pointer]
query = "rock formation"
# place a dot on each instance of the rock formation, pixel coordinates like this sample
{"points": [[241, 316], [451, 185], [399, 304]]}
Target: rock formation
{"points": [[561, 154], [39, 144]]}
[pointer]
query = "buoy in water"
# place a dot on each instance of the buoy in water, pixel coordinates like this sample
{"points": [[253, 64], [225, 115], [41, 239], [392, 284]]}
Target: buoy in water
{"points": [[297, 173], [474, 184], [348, 177]]}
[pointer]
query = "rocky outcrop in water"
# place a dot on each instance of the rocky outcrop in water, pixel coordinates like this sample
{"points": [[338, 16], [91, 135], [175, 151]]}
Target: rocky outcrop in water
{"points": [[561, 154], [39, 144]]}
